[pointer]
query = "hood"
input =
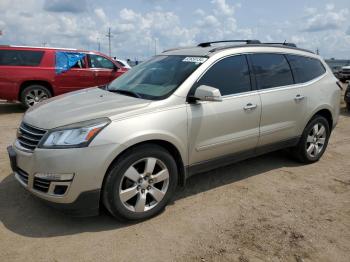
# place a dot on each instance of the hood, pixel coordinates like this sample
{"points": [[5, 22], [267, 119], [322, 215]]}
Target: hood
{"points": [[79, 106]]}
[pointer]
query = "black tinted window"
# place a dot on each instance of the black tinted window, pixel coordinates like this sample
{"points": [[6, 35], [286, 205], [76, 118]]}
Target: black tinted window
{"points": [[230, 76], [271, 70], [305, 68], [20, 57]]}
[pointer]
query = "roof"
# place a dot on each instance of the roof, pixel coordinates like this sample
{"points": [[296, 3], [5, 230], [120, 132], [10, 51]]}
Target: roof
{"points": [[41, 47], [50, 48], [205, 49]]}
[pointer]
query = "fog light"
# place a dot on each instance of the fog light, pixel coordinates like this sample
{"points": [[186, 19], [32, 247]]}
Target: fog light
{"points": [[55, 177], [60, 190]]}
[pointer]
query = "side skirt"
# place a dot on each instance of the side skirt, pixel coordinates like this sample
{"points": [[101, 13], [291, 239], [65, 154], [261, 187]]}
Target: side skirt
{"points": [[236, 157]]}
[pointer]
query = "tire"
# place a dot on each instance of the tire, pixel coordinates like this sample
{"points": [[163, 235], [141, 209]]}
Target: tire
{"points": [[348, 106], [124, 190], [34, 94], [309, 138]]}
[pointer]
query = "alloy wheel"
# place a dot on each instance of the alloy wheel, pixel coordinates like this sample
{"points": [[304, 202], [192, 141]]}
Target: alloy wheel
{"points": [[35, 96], [144, 184], [316, 140]]}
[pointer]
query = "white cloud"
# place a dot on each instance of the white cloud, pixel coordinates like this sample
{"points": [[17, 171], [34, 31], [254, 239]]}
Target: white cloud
{"points": [[222, 8], [134, 32], [329, 19], [100, 14]]}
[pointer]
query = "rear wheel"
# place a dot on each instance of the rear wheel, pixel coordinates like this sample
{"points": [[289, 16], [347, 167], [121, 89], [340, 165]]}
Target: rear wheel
{"points": [[313, 141], [141, 183], [34, 94]]}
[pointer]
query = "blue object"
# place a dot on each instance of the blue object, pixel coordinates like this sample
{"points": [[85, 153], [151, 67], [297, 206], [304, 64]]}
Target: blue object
{"points": [[66, 60]]}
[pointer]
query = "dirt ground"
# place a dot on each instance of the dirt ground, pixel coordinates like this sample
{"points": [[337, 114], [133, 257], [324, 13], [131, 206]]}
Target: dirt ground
{"points": [[269, 208]]}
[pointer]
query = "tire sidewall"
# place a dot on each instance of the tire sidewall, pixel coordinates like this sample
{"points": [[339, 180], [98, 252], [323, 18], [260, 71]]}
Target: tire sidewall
{"points": [[311, 124], [30, 88], [114, 177]]}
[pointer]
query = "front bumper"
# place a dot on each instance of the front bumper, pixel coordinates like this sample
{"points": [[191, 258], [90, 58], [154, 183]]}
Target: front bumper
{"points": [[82, 194]]}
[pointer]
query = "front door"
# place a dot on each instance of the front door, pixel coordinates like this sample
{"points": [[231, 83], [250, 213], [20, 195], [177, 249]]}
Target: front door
{"points": [[218, 129], [104, 70]]}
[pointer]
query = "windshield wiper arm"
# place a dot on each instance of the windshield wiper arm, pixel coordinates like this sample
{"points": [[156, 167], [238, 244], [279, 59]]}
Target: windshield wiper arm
{"points": [[125, 92]]}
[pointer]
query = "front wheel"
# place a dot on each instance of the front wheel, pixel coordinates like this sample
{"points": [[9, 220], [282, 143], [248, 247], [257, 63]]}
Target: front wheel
{"points": [[34, 94], [141, 183], [313, 141]]}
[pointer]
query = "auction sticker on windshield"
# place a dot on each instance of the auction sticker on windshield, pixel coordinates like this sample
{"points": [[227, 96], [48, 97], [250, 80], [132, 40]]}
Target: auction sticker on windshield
{"points": [[193, 59]]}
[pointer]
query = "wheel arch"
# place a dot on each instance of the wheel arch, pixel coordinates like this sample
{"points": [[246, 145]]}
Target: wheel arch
{"points": [[326, 113], [170, 147], [27, 83]]}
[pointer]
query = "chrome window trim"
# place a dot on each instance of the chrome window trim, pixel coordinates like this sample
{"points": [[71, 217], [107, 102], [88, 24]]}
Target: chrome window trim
{"points": [[276, 88], [289, 87]]}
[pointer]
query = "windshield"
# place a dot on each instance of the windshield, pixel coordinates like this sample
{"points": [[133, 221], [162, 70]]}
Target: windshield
{"points": [[156, 78]]}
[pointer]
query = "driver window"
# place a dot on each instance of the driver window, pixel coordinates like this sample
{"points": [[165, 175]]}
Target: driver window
{"points": [[97, 61], [230, 75]]}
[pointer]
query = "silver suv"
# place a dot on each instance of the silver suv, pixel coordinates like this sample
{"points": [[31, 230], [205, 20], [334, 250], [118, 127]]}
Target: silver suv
{"points": [[129, 145]]}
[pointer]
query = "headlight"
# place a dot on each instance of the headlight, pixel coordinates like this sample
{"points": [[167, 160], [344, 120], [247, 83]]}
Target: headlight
{"points": [[76, 135]]}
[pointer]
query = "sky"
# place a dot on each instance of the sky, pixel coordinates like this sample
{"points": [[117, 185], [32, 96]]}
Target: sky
{"points": [[141, 28]]}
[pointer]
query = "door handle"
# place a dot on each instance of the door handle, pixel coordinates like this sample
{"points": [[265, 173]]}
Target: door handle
{"points": [[299, 98], [250, 107]]}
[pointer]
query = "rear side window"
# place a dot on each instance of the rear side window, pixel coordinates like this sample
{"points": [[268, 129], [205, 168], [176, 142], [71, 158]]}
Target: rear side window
{"points": [[230, 75], [305, 68], [20, 57], [271, 70]]}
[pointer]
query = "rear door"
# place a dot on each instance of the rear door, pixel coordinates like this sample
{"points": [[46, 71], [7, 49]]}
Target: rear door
{"points": [[283, 102], [104, 70], [218, 129]]}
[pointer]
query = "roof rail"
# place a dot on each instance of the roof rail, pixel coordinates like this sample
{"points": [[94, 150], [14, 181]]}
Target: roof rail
{"points": [[207, 44], [258, 45], [284, 43]]}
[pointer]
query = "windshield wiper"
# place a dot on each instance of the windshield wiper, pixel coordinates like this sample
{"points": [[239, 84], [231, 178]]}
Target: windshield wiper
{"points": [[125, 92]]}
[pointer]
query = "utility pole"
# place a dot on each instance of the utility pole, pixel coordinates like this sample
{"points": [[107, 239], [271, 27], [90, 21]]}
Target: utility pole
{"points": [[44, 44], [317, 51], [109, 35], [98, 44]]}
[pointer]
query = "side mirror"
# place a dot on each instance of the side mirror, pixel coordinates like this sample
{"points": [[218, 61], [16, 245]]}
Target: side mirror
{"points": [[207, 93], [115, 68]]}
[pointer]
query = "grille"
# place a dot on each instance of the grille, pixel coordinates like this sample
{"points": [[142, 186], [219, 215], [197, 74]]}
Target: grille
{"points": [[22, 175], [29, 136], [41, 184]]}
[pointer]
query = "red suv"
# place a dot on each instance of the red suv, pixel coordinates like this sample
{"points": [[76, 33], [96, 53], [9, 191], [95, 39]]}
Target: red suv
{"points": [[32, 74]]}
